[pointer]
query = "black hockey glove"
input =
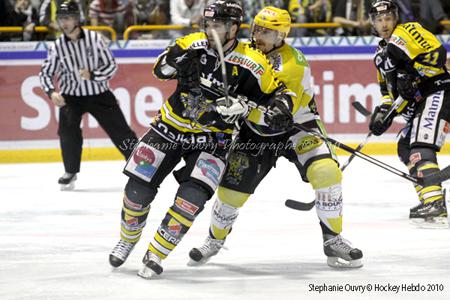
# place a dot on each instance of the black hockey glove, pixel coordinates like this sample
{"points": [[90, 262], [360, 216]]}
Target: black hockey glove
{"points": [[181, 59], [378, 122], [186, 64], [279, 117], [407, 86]]}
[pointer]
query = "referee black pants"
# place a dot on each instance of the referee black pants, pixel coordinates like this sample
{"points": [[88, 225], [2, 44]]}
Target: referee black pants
{"points": [[105, 109]]}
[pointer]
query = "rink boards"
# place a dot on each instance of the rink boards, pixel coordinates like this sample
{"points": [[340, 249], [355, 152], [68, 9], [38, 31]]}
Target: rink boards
{"points": [[342, 71]]}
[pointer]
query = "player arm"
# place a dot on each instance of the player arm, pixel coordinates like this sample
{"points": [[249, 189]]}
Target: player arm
{"points": [[385, 97], [48, 70], [108, 65], [432, 62], [162, 70]]}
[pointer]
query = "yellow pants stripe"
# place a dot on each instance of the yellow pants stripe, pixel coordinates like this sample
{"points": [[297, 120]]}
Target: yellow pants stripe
{"points": [[134, 232], [135, 213], [180, 218], [428, 166], [163, 242], [156, 251]]}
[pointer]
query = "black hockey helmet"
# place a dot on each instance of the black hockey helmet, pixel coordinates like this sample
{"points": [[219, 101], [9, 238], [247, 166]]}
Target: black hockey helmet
{"points": [[381, 7], [68, 8], [224, 10]]}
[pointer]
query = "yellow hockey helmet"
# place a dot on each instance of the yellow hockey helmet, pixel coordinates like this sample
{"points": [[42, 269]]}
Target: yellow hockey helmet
{"points": [[274, 18]]}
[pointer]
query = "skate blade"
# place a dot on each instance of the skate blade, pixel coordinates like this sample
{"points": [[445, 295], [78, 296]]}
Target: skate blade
{"points": [[431, 223], [147, 273], [193, 263], [67, 187], [336, 262]]}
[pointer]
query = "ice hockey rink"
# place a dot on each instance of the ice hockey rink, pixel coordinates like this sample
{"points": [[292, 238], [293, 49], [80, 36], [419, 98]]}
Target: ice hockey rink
{"points": [[55, 245]]}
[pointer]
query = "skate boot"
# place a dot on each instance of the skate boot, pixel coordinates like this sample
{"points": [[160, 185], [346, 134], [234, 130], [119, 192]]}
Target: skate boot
{"points": [[431, 215], [413, 210], [152, 265], [120, 253], [202, 255], [67, 181], [340, 253]]}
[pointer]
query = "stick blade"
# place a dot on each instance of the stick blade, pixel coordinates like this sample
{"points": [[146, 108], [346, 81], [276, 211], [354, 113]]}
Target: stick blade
{"points": [[300, 205], [361, 109]]}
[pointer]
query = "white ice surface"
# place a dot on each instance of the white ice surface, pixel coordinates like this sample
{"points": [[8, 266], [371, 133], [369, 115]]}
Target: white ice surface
{"points": [[55, 245]]}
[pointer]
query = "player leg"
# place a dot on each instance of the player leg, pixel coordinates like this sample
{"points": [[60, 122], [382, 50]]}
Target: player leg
{"points": [[71, 141], [198, 182], [317, 164], [404, 152], [429, 128], [107, 112], [245, 170], [152, 160]]}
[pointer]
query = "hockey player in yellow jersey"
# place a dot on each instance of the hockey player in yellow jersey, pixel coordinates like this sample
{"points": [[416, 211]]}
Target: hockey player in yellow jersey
{"points": [[414, 83], [314, 159], [195, 124]]}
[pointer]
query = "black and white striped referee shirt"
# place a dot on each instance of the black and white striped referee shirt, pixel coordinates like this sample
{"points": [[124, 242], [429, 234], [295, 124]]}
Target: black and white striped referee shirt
{"points": [[66, 58]]}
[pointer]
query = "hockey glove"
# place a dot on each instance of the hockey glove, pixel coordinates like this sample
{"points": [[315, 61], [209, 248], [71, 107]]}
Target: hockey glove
{"points": [[279, 117], [378, 122], [186, 64], [407, 86], [181, 59], [238, 108]]}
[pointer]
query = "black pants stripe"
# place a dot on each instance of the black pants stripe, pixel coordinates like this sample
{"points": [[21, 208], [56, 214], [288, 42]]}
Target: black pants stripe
{"points": [[105, 109]]}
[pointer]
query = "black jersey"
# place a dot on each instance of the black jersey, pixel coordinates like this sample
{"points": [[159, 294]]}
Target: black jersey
{"points": [[249, 73]]}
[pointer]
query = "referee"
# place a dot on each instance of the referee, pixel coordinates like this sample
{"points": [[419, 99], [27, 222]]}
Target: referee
{"points": [[84, 64]]}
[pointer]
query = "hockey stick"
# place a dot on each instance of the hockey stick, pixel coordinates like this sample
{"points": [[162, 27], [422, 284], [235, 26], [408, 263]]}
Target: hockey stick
{"points": [[432, 179], [305, 206], [361, 109], [222, 65]]}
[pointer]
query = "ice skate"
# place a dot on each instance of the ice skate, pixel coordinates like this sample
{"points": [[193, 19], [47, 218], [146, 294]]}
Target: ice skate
{"points": [[413, 210], [431, 215], [340, 253], [152, 266], [67, 181], [120, 253], [203, 254]]}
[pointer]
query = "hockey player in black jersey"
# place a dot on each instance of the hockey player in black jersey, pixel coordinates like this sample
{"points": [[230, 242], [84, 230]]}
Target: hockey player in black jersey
{"points": [[195, 124], [414, 83]]}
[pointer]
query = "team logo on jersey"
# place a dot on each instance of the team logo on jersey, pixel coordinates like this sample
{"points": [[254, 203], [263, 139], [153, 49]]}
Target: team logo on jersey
{"points": [[401, 43], [276, 62], [307, 144], [181, 58]]}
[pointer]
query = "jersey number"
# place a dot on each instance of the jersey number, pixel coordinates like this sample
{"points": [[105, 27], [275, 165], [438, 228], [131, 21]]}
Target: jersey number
{"points": [[431, 58]]}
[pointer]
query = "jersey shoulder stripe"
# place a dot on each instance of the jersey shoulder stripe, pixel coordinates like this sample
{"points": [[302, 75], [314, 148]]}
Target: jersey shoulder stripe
{"points": [[197, 40]]}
